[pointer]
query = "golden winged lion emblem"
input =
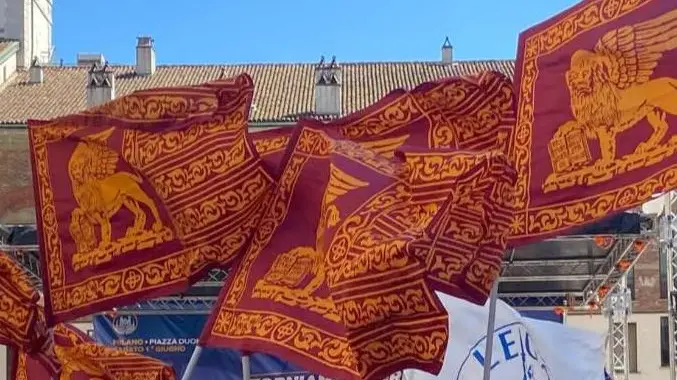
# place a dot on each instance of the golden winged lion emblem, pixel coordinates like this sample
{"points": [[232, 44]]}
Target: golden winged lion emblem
{"points": [[611, 90], [101, 192], [284, 280]]}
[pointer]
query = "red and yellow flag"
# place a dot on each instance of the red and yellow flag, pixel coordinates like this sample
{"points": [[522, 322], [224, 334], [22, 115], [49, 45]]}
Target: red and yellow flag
{"points": [[74, 356], [271, 145], [473, 113], [597, 118], [19, 310], [139, 197], [338, 276], [27, 367]]}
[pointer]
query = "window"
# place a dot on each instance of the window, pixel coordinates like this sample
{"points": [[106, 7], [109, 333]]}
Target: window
{"points": [[663, 273], [630, 282], [665, 342], [632, 349]]}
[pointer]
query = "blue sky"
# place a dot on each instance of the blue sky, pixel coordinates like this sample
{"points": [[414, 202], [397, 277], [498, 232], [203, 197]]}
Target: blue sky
{"points": [[222, 31]]}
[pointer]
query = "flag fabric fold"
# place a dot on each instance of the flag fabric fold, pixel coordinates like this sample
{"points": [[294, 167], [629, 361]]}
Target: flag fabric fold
{"points": [[63, 350], [72, 355], [337, 278], [597, 114], [271, 145], [138, 198], [471, 113], [20, 325]]}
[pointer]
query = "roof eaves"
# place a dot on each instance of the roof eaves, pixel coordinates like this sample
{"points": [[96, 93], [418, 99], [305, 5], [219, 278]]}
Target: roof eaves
{"points": [[13, 124], [11, 49]]}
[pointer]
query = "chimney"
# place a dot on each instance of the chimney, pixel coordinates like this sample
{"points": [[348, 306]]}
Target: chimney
{"points": [[100, 86], [36, 74], [85, 59], [328, 88], [145, 56], [447, 51]]}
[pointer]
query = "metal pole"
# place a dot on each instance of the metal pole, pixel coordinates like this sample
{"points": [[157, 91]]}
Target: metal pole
{"points": [[624, 324], [246, 370], [192, 363], [489, 345], [610, 345], [666, 246]]}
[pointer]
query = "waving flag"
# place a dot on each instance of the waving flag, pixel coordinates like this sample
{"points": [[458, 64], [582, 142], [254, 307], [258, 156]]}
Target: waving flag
{"points": [[74, 356], [473, 113], [20, 325], [336, 277], [523, 348], [138, 198], [597, 120], [271, 145]]}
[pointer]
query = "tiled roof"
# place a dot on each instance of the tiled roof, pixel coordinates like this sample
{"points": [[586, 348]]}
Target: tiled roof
{"points": [[283, 92]]}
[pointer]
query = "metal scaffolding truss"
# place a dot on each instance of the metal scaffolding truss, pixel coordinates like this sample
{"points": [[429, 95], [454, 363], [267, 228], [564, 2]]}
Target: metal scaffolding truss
{"points": [[572, 271], [617, 308], [169, 305], [582, 272], [28, 257]]}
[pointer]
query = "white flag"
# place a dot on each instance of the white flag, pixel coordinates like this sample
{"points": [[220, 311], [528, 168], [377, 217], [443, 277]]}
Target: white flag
{"points": [[523, 348]]}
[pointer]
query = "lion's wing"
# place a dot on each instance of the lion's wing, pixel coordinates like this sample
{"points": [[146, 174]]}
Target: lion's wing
{"points": [[634, 51], [94, 159]]}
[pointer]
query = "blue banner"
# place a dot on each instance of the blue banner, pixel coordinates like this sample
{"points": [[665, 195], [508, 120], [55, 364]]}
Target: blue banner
{"points": [[172, 338], [543, 315]]}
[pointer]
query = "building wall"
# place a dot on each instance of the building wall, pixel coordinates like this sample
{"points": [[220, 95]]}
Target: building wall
{"points": [[3, 363], [16, 189], [30, 22], [7, 68], [41, 34], [648, 308], [646, 276], [647, 344]]}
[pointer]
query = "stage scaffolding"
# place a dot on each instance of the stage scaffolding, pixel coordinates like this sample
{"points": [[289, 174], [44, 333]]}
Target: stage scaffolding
{"points": [[577, 273]]}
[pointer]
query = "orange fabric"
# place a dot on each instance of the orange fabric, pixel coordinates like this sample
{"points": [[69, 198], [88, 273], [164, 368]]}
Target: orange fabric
{"points": [[370, 215], [140, 197], [74, 356], [18, 306], [270, 145], [597, 119], [472, 114]]}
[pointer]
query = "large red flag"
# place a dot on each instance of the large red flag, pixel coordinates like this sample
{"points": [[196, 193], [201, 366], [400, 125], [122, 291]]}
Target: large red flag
{"points": [[472, 113], [336, 276], [597, 121], [138, 198], [19, 311], [27, 367]]}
